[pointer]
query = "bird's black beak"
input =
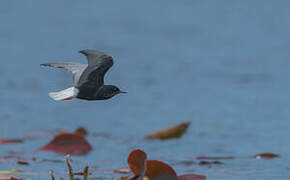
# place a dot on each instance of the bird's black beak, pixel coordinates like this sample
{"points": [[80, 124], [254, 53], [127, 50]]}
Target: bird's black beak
{"points": [[123, 92], [82, 52]]}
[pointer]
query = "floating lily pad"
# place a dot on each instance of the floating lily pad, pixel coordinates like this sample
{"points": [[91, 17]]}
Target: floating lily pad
{"points": [[69, 143], [169, 133]]}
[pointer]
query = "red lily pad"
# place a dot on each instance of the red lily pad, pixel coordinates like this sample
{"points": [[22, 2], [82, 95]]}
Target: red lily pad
{"points": [[157, 170], [68, 143]]}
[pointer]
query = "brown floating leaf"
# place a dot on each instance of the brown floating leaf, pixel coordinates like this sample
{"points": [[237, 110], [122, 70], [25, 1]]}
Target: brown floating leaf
{"points": [[266, 156], [191, 177], [157, 170], [70, 143], [10, 141], [172, 132], [136, 161], [215, 157]]}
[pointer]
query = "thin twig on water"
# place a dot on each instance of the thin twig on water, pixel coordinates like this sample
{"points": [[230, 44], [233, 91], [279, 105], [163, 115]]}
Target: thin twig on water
{"points": [[69, 166], [86, 173]]}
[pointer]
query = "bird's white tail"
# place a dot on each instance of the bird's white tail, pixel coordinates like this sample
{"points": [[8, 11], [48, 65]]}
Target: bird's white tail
{"points": [[65, 94]]}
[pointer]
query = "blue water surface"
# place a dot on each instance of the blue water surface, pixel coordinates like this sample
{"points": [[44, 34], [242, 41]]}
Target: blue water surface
{"points": [[223, 65]]}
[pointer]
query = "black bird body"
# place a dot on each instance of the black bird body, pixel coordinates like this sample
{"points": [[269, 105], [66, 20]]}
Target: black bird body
{"points": [[102, 93], [88, 79]]}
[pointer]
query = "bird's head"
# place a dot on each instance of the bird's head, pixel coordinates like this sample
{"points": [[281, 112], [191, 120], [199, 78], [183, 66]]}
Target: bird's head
{"points": [[111, 90]]}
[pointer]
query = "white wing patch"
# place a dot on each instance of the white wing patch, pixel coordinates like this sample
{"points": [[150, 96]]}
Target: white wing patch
{"points": [[65, 94]]}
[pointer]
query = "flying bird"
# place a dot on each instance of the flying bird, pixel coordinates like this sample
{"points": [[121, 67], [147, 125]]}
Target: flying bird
{"points": [[88, 79]]}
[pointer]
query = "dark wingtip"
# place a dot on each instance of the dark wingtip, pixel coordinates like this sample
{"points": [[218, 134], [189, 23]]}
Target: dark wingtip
{"points": [[89, 51]]}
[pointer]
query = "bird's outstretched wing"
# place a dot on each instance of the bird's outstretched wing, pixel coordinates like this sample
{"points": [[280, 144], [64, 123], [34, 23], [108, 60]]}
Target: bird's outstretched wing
{"points": [[75, 68], [98, 64]]}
